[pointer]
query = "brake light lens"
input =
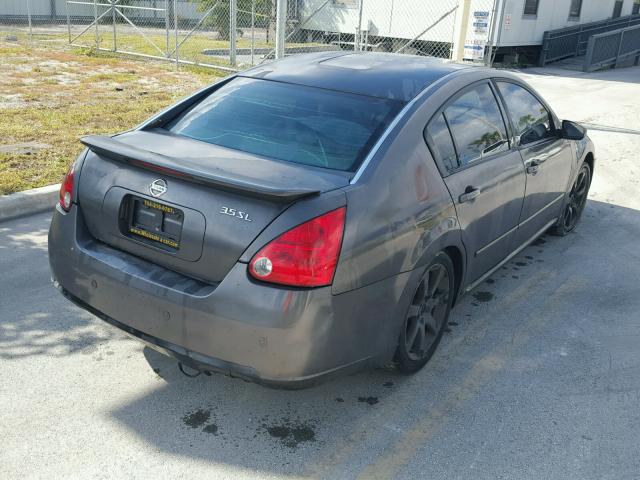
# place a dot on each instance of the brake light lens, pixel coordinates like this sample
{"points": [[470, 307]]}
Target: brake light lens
{"points": [[66, 190], [305, 256]]}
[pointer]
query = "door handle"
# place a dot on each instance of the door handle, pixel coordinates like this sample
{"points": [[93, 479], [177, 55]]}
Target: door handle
{"points": [[533, 166], [470, 193]]}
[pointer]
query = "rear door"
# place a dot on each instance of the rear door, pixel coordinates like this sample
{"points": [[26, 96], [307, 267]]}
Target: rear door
{"points": [[547, 157], [484, 175]]}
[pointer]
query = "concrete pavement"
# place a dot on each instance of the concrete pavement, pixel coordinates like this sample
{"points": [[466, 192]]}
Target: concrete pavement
{"points": [[538, 377]]}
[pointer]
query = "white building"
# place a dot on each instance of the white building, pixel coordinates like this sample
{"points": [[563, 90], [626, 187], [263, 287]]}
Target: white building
{"points": [[520, 23], [525, 21]]}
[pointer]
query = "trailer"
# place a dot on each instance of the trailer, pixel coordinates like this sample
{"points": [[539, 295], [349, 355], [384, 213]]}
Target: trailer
{"points": [[462, 29]]}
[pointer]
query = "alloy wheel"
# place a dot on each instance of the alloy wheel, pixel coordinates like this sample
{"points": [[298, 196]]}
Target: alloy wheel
{"points": [[427, 312], [577, 200]]}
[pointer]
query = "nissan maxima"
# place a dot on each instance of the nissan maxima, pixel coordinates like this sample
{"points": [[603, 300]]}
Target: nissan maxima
{"points": [[315, 215]]}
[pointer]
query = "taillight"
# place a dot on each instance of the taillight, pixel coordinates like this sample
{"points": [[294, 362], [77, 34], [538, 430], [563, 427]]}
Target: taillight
{"points": [[66, 190], [305, 256]]}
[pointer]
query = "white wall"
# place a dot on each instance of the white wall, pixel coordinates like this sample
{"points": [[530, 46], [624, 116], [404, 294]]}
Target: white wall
{"points": [[552, 14]]}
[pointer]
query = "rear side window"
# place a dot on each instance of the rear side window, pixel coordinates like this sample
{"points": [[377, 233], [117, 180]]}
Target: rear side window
{"points": [[294, 123], [530, 118], [476, 124], [439, 139]]}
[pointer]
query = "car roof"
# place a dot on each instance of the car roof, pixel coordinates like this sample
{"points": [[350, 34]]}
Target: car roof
{"points": [[384, 75]]}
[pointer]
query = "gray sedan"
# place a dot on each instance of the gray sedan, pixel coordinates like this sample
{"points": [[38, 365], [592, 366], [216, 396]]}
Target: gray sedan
{"points": [[316, 215]]}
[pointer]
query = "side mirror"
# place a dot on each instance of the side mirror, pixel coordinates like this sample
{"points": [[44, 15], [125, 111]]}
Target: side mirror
{"points": [[572, 130]]}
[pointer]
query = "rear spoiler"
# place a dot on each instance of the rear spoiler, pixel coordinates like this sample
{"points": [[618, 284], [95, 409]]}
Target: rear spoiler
{"points": [[170, 166]]}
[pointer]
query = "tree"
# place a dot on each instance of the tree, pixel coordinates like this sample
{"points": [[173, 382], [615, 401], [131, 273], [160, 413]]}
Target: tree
{"points": [[219, 17]]}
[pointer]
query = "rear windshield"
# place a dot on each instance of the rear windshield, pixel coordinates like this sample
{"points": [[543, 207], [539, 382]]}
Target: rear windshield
{"points": [[288, 122]]}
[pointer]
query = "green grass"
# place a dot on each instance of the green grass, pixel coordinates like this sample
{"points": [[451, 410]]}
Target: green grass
{"points": [[53, 96], [154, 44]]}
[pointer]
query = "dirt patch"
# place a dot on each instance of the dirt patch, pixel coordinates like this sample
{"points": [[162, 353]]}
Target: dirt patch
{"points": [[26, 148], [12, 100], [58, 95]]}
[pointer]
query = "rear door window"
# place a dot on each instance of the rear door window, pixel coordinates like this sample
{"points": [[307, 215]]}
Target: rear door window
{"points": [[530, 118], [440, 142], [294, 123], [476, 124]]}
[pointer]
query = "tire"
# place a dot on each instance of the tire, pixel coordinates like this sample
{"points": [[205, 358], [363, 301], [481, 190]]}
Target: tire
{"points": [[427, 315], [576, 201]]}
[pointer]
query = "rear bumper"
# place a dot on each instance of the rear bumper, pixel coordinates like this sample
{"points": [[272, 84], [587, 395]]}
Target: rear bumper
{"points": [[271, 335], [202, 362]]}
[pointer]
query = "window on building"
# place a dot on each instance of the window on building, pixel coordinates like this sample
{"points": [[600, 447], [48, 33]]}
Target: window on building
{"points": [[574, 10], [636, 7], [531, 7], [347, 3], [617, 8]]}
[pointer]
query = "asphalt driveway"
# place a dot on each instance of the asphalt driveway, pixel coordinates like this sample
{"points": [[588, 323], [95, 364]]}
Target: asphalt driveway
{"points": [[538, 375]]}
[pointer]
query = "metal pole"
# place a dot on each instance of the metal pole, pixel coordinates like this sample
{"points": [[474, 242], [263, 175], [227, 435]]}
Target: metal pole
{"points": [[253, 30], [66, 7], [113, 19], [175, 29], [500, 28], [233, 27], [281, 22], [166, 24], [95, 15], [29, 18], [356, 45], [488, 55]]}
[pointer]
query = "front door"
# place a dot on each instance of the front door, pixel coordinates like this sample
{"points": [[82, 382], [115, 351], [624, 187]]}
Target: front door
{"points": [[484, 175], [547, 158]]}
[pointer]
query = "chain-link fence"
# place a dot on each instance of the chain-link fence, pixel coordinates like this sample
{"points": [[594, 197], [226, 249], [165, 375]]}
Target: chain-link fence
{"points": [[235, 34]]}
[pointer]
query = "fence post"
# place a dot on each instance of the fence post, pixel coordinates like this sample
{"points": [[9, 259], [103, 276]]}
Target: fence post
{"points": [[29, 18], [113, 20], [66, 7], [175, 29], [356, 45], [95, 19], [233, 28], [253, 30], [167, 20], [281, 22]]}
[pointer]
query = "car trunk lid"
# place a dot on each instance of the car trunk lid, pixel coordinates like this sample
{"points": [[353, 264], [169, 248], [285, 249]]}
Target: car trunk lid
{"points": [[208, 202]]}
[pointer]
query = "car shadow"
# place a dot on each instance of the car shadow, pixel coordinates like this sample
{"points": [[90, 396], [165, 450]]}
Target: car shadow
{"points": [[312, 432], [26, 328]]}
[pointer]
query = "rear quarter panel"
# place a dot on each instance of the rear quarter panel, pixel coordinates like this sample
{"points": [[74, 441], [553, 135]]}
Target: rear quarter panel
{"points": [[399, 213]]}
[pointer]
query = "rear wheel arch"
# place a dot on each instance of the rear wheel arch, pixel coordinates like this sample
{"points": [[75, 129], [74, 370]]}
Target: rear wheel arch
{"points": [[457, 258], [451, 244], [590, 160]]}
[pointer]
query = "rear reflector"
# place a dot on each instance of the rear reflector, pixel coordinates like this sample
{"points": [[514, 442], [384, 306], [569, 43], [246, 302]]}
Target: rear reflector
{"points": [[305, 256], [66, 190]]}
